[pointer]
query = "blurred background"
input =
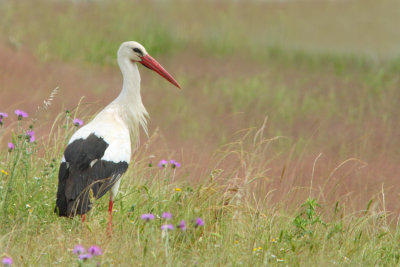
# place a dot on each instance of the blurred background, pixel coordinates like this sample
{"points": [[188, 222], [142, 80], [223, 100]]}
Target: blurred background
{"points": [[324, 75]]}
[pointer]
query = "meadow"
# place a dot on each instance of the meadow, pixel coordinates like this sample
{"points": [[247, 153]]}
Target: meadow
{"points": [[286, 129]]}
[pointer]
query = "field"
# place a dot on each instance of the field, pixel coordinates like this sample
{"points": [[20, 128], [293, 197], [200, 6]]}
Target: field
{"points": [[287, 130]]}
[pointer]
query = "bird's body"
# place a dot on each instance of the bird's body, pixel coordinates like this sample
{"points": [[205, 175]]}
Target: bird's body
{"points": [[99, 153]]}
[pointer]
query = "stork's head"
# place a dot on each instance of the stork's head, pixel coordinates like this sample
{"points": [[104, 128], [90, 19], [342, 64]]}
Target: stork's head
{"points": [[135, 52]]}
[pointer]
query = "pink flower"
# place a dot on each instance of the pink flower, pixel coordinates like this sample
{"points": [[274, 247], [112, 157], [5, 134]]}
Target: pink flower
{"points": [[77, 122], [10, 147], [147, 217], [199, 222], [166, 215], [2, 115], [167, 227], [7, 261], [182, 225], [95, 251], [85, 257], [30, 134], [174, 164], [162, 164], [21, 114], [79, 249]]}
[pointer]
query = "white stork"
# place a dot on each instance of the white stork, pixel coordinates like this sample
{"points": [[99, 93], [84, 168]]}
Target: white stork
{"points": [[98, 153]]}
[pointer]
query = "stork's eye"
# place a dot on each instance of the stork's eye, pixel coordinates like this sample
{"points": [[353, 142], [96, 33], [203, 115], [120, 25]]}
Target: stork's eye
{"points": [[137, 50]]}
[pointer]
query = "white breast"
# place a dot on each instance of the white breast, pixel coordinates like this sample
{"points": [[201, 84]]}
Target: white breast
{"points": [[108, 125]]}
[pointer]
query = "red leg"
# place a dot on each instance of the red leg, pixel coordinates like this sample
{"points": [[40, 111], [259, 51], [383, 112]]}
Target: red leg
{"points": [[110, 206], [83, 217]]}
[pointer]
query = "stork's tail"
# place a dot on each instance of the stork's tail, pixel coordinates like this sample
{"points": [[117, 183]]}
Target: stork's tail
{"points": [[73, 207], [77, 203]]}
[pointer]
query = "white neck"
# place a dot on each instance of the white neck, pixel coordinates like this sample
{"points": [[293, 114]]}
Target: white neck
{"points": [[129, 102], [130, 92]]}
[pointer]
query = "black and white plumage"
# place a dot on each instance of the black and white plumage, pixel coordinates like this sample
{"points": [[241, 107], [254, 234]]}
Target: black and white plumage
{"points": [[98, 154], [83, 167]]}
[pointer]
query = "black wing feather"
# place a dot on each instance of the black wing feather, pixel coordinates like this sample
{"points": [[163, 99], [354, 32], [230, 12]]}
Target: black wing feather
{"points": [[77, 177]]}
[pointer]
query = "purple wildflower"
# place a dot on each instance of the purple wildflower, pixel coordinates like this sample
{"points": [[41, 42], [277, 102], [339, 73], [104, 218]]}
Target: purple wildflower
{"points": [[174, 164], [10, 147], [199, 222], [166, 215], [77, 122], [30, 134], [85, 257], [95, 251], [78, 249], [182, 225], [147, 217], [2, 115], [21, 114], [162, 164], [7, 261], [167, 227]]}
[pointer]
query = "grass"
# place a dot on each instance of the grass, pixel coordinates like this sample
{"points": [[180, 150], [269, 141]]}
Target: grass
{"points": [[239, 229], [286, 130], [259, 31]]}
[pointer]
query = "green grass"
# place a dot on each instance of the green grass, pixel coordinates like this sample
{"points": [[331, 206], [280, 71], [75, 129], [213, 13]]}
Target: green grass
{"points": [[92, 32], [238, 230]]}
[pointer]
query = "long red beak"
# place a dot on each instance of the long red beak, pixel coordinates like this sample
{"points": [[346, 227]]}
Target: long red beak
{"points": [[152, 64]]}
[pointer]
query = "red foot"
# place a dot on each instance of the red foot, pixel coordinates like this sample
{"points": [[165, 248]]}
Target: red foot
{"points": [[109, 227], [110, 206], [83, 217]]}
